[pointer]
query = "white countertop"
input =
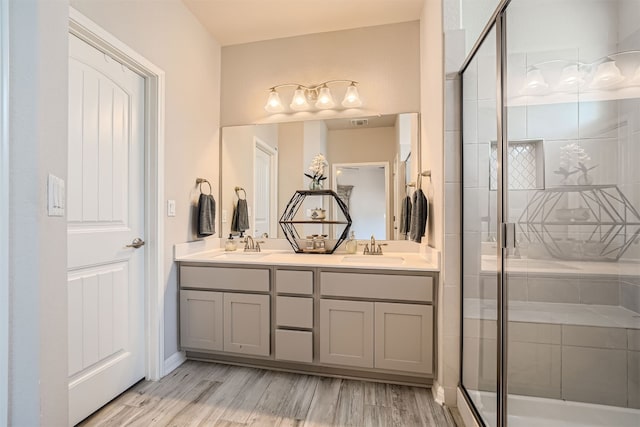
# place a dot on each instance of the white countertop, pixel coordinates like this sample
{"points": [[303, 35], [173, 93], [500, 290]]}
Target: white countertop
{"points": [[197, 252]]}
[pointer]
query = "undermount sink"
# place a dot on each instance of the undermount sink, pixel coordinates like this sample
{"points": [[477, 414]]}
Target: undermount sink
{"points": [[373, 259], [240, 255]]}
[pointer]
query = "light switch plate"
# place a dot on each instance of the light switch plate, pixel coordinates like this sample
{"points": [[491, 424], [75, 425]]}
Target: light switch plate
{"points": [[224, 215], [55, 196], [171, 208]]}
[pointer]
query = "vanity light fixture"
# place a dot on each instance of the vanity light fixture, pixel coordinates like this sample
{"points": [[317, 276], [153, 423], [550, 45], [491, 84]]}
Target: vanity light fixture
{"points": [[607, 75], [572, 78], [534, 83], [319, 96], [635, 80]]}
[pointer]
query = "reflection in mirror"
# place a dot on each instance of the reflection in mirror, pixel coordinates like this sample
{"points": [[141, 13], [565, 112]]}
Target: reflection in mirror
{"points": [[269, 161]]}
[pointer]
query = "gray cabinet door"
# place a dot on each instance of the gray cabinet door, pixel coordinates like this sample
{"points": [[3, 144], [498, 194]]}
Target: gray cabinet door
{"points": [[404, 337], [201, 320], [247, 324], [346, 333]]}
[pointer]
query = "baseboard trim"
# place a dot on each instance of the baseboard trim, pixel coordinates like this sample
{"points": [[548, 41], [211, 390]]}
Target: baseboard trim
{"points": [[438, 393], [173, 361]]}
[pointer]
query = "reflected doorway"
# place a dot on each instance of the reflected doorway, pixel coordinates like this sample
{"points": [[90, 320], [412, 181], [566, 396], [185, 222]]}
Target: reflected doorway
{"points": [[364, 188]]}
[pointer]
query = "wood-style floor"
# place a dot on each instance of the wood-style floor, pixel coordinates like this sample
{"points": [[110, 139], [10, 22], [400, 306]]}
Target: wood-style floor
{"points": [[210, 394]]}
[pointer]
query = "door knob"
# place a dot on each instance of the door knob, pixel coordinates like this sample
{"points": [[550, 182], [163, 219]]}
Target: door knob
{"points": [[136, 243]]}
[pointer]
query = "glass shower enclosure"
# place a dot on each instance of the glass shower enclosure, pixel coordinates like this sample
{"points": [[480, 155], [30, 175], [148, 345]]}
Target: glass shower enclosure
{"points": [[551, 215]]}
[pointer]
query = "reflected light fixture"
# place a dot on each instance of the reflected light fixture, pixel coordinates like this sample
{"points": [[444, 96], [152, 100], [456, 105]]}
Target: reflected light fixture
{"points": [[274, 105], [318, 96], [607, 75], [572, 78], [635, 80], [534, 83]]}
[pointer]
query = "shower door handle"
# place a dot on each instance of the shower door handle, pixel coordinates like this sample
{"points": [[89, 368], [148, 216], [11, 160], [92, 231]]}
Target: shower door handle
{"points": [[508, 235]]}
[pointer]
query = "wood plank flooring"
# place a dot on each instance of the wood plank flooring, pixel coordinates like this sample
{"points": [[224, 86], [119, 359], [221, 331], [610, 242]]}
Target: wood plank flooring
{"points": [[211, 394]]}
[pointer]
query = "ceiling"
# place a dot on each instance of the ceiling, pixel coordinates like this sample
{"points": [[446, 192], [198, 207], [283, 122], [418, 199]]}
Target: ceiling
{"points": [[244, 21]]}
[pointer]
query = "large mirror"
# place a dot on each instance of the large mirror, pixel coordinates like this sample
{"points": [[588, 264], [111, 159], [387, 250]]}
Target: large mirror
{"points": [[370, 164]]}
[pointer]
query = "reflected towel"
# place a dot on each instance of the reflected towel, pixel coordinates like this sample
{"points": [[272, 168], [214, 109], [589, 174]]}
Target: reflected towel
{"points": [[206, 215], [240, 220], [419, 215], [405, 216]]}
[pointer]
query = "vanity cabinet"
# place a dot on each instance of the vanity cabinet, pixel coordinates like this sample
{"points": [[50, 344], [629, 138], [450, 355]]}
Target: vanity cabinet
{"points": [[346, 333], [379, 334], [358, 322], [201, 319], [294, 315], [214, 317], [246, 324], [404, 337]]}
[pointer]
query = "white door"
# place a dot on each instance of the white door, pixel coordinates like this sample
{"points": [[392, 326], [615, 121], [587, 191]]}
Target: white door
{"points": [[265, 185], [105, 212]]}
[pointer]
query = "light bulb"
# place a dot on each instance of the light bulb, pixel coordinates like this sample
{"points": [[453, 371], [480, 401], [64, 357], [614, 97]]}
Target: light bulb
{"points": [[571, 78], [607, 75], [534, 83], [274, 105], [325, 99], [351, 98], [299, 101]]}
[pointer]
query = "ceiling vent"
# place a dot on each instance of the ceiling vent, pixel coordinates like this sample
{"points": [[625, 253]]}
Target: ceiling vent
{"points": [[359, 122]]}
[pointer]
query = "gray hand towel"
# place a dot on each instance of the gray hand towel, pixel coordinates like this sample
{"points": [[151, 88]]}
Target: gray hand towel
{"points": [[240, 220], [206, 215], [419, 215], [405, 216]]}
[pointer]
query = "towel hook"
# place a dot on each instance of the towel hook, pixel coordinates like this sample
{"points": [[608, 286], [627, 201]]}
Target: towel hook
{"points": [[199, 181], [237, 189]]}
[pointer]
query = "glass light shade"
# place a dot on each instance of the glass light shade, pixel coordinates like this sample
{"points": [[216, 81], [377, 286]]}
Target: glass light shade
{"points": [[635, 80], [352, 98], [571, 78], [607, 75], [534, 83], [274, 105], [299, 101], [325, 99]]}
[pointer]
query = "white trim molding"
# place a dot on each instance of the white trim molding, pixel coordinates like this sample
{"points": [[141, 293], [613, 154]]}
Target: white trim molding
{"points": [[4, 213], [92, 33], [438, 393], [173, 361]]}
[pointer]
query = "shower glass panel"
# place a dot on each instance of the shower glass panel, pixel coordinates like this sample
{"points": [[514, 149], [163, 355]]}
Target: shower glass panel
{"points": [[479, 262], [573, 280]]}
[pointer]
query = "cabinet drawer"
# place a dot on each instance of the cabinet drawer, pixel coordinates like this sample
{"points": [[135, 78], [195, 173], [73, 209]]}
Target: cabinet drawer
{"points": [[294, 282], [296, 346], [377, 286], [294, 312], [240, 279]]}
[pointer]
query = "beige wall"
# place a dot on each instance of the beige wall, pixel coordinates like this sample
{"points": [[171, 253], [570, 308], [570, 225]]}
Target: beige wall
{"points": [[384, 59], [290, 164], [169, 36]]}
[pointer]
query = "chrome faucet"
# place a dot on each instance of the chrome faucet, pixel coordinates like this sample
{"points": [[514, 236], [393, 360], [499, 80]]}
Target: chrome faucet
{"points": [[373, 250], [251, 245]]}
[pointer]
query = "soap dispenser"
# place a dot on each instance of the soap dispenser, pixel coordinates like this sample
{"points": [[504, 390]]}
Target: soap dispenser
{"points": [[230, 245], [352, 244]]}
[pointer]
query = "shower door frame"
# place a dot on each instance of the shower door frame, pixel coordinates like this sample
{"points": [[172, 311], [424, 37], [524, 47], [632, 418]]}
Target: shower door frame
{"points": [[504, 236]]}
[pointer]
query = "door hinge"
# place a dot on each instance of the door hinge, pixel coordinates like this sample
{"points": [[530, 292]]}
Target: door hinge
{"points": [[508, 235]]}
